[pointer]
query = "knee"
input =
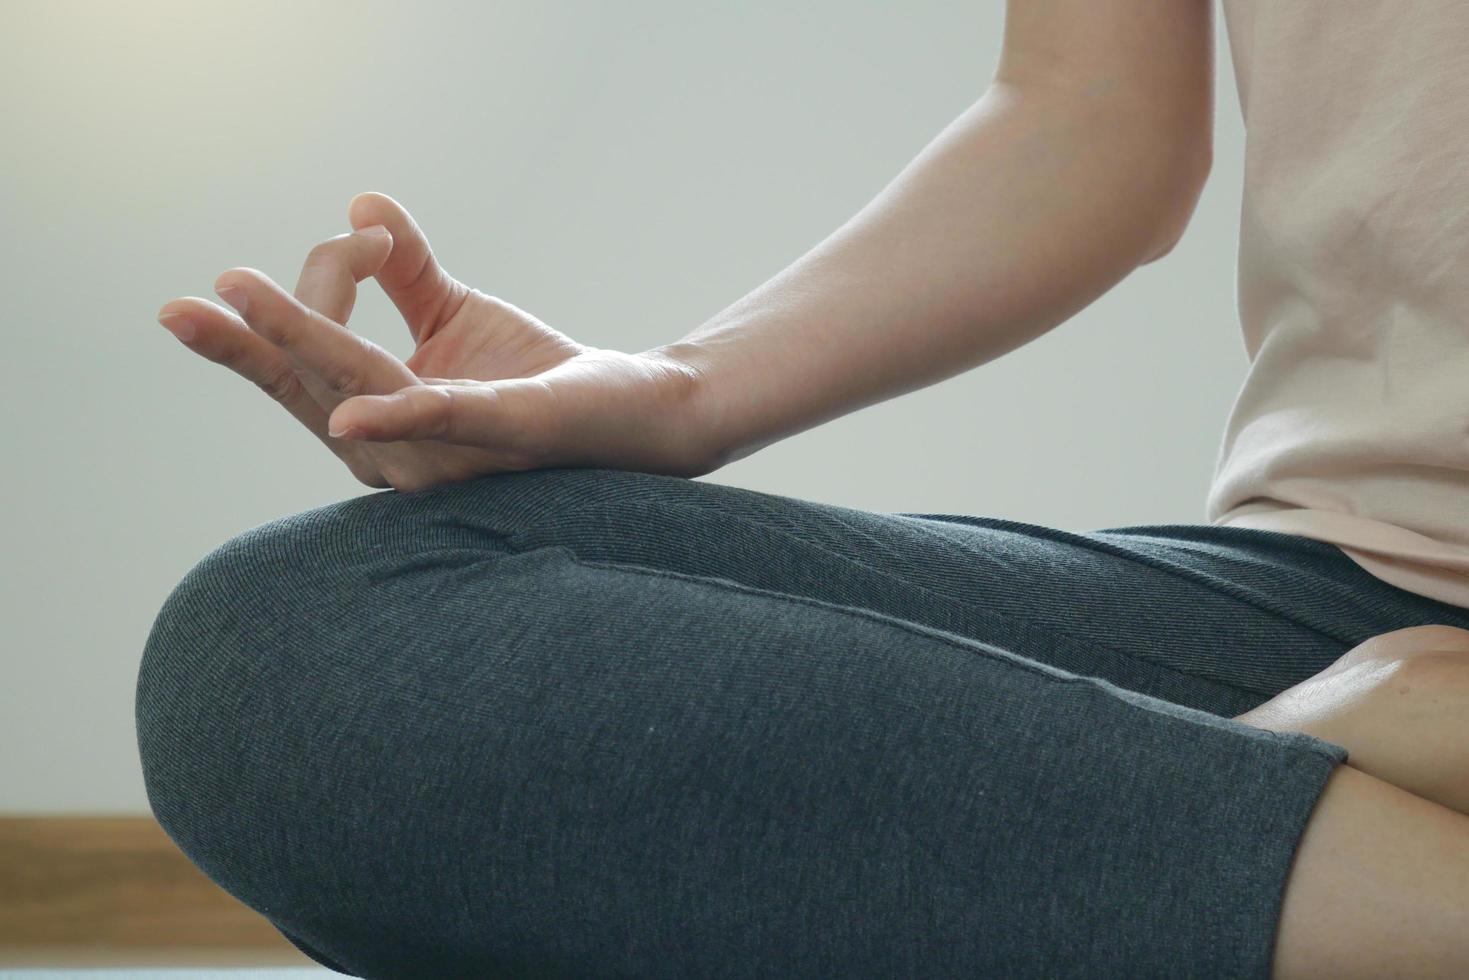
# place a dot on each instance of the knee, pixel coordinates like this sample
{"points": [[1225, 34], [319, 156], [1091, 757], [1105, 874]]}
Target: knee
{"points": [[277, 611], [1413, 643], [1433, 636], [210, 678], [1433, 673], [230, 646], [1423, 661]]}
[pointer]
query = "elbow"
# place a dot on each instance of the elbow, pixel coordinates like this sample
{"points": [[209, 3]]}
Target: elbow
{"points": [[1176, 196]]}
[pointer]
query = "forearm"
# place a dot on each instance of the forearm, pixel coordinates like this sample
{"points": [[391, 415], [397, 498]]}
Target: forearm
{"points": [[1020, 213]]}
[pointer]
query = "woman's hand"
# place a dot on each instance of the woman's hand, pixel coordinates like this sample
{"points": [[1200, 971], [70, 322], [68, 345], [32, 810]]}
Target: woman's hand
{"points": [[488, 388]]}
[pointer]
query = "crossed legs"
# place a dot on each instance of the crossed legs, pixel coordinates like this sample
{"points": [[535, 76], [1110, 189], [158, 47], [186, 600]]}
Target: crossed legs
{"points": [[572, 722]]}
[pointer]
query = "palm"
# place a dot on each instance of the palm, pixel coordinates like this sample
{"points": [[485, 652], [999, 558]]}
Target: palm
{"points": [[621, 401], [470, 336], [459, 333]]}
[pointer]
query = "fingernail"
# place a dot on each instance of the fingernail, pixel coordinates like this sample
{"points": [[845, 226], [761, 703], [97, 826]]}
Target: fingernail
{"points": [[234, 297], [348, 432], [179, 325], [372, 231]]}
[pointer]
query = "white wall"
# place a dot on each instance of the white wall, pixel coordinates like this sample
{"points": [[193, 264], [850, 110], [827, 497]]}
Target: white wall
{"points": [[623, 171]]}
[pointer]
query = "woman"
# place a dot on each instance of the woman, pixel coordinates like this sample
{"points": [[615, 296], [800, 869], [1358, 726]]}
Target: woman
{"points": [[554, 708]]}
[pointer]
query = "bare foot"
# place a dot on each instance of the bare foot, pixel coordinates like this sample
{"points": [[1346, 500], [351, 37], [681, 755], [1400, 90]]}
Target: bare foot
{"points": [[1398, 703]]}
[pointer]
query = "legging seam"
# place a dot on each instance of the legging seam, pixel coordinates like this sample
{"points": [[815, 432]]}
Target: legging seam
{"points": [[1286, 740], [516, 539], [1193, 576], [907, 626]]}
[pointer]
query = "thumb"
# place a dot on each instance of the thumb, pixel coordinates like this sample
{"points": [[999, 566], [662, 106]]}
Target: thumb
{"points": [[411, 275], [503, 415]]}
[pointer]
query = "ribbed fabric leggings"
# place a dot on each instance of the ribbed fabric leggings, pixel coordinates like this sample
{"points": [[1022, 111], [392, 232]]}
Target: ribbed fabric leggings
{"points": [[595, 723]]}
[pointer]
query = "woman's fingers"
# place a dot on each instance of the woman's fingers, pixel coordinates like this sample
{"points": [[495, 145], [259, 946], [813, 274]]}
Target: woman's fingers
{"points": [[332, 362], [221, 338], [419, 287], [512, 417], [333, 268]]}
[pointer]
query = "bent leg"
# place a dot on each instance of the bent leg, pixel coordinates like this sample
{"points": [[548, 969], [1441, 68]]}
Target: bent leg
{"points": [[425, 749], [1380, 887]]}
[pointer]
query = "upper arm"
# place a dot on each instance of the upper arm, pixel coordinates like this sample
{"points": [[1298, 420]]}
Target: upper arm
{"points": [[1146, 66]]}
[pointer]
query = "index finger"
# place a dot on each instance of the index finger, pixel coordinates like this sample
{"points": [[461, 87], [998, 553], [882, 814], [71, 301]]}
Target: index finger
{"points": [[412, 277], [333, 268]]}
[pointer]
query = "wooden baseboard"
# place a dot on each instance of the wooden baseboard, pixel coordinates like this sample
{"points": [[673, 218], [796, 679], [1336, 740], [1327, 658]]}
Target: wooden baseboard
{"points": [[118, 890]]}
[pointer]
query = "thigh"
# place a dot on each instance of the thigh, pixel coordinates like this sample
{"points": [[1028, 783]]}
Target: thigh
{"points": [[448, 734], [1218, 619]]}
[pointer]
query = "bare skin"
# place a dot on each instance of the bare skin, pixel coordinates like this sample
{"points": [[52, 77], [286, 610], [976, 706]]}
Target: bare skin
{"points": [[1380, 884], [1379, 887], [488, 388], [1399, 704]]}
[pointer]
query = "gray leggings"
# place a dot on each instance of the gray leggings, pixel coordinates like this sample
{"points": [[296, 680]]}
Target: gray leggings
{"points": [[589, 722]]}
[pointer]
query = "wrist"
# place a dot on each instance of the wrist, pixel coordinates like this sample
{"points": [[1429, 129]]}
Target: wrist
{"points": [[695, 414]]}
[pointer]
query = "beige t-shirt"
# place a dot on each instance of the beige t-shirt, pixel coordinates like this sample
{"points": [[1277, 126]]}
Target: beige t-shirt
{"points": [[1352, 425]]}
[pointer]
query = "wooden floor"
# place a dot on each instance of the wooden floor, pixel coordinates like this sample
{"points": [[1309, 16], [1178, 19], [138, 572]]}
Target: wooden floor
{"points": [[104, 891]]}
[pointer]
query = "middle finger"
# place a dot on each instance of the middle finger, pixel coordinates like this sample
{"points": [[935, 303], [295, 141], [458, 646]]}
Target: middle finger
{"points": [[332, 362]]}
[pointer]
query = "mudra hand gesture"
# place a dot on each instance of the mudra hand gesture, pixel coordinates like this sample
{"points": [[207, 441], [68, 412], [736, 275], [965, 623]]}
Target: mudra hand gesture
{"points": [[488, 387]]}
